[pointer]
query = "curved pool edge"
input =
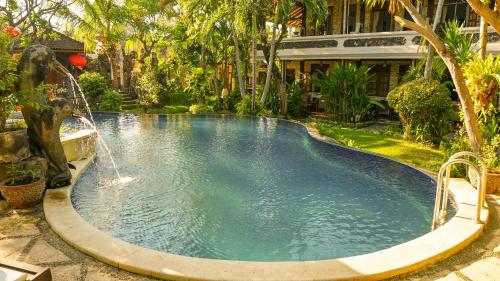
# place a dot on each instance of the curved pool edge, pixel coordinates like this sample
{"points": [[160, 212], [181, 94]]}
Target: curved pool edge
{"points": [[432, 247]]}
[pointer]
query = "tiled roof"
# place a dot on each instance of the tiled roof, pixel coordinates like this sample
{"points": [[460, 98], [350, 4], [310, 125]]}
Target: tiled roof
{"points": [[64, 43]]}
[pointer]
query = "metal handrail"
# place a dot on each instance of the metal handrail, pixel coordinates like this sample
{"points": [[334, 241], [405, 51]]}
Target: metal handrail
{"points": [[483, 170], [442, 191]]}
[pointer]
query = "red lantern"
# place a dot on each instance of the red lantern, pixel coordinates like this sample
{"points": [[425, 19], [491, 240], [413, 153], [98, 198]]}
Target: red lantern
{"points": [[13, 31], [77, 60]]}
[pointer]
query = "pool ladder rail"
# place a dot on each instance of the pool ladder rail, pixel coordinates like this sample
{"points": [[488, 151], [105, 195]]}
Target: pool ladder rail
{"points": [[442, 188]]}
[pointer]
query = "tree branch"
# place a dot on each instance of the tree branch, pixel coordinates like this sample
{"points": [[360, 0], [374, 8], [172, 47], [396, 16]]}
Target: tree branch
{"points": [[428, 34], [490, 16]]}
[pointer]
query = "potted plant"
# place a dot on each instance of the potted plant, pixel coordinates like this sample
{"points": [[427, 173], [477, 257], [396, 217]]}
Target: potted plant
{"points": [[491, 154], [23, 187]]}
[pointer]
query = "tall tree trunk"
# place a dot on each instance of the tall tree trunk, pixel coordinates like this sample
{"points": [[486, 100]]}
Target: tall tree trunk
{"points": [[254, 61], [430, 53], [203, 62], [112, 68], [470, 119], [483, 38], [237, 60], [270, 61]]}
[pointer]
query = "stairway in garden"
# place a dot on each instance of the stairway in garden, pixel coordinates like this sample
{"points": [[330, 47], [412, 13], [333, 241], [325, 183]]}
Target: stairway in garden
{"points": [[129, 101]]}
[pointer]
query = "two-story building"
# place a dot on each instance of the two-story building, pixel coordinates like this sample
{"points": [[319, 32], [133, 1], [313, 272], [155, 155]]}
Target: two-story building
{"points": [[356, 33]]}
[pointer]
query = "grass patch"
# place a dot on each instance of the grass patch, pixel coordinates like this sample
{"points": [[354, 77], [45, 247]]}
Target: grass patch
{"points": [[413, 153], [169, 109]]}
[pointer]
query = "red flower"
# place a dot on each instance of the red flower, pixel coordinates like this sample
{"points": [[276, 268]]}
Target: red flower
{"points": [[19, 108], [13, 31], [15, 57]]}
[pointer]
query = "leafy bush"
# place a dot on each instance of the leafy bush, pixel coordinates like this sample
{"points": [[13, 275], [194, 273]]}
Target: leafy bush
{"points": [[198, 83], [171, 93], [294, 99], [272, 104], [244, 107], [425, 109], [344, 90], [149, 88], [93, 85], [111, 101], [459, 142], [200, 108]]}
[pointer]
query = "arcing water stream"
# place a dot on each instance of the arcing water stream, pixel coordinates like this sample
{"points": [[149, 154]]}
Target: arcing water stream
{"points": [[91, 124]]}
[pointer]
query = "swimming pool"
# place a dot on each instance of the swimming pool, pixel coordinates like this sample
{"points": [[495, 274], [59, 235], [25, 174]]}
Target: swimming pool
{"points": [[254, 189]]}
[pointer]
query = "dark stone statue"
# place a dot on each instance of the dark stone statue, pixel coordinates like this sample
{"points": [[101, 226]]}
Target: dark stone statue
{"points": [[43, 115]]}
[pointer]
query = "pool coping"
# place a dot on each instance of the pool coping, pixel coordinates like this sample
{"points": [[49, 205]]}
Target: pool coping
{"points": [[415, 254]]}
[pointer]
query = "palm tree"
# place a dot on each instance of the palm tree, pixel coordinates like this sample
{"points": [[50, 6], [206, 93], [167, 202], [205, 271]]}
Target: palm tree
{"points": [[420, 25], [148, 22], [101, 27], [317, 11]]}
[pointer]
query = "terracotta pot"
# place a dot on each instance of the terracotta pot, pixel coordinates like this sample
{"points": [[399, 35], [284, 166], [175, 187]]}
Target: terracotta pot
{"points": [[24, 196], [15, 146], [492, 180]]}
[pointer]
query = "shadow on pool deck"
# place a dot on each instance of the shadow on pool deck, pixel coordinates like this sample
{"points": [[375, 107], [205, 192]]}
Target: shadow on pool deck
{"points": [[25, 236]]}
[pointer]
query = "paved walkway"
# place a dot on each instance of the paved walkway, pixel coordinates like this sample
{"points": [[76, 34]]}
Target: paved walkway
{"points": [[26, 237]]}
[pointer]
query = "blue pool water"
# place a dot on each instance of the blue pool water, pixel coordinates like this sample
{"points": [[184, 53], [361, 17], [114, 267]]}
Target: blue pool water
{"points": [[248, 189]]}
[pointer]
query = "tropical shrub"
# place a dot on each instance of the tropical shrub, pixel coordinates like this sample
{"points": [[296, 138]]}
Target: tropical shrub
{"points": [[8, 76], [149, 88], [272, 103], [294, 99], [457, 42], [200, 108], [171, 93], [111, 100], [244, 107], [344, 91], [198, 83], [93, 86], [439, 71], [425, 109], [483, 80]]}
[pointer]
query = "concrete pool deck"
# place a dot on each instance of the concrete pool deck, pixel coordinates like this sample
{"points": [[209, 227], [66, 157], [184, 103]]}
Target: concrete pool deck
{"points": [[404, 258], [25, 236]]}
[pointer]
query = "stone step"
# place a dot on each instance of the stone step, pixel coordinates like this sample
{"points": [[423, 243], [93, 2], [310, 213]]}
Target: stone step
{"points": [[129, 106], [130, 102]]}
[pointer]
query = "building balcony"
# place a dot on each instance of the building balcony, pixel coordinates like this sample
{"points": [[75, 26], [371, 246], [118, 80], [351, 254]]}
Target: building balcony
{"points": [[355, 46]]}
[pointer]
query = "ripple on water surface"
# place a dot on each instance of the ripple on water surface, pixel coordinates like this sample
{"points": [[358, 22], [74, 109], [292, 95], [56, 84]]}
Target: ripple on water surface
{"points": [[248, 189]]}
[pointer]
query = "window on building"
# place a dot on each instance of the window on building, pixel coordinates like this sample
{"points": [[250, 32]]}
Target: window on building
{"points": [[403, 69], [315, 68], [382, 19], [352, 17], [262, 77], [290, 76], [456, 10], [327, 27], [379, 85]]}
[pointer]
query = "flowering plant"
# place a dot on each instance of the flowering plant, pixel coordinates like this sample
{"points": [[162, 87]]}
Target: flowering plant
{"points": [[8, 74]]}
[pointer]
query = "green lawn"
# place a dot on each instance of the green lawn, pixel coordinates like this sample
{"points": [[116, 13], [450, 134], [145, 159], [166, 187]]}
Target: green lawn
{"points": [[413, 153], [169, 109]]}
